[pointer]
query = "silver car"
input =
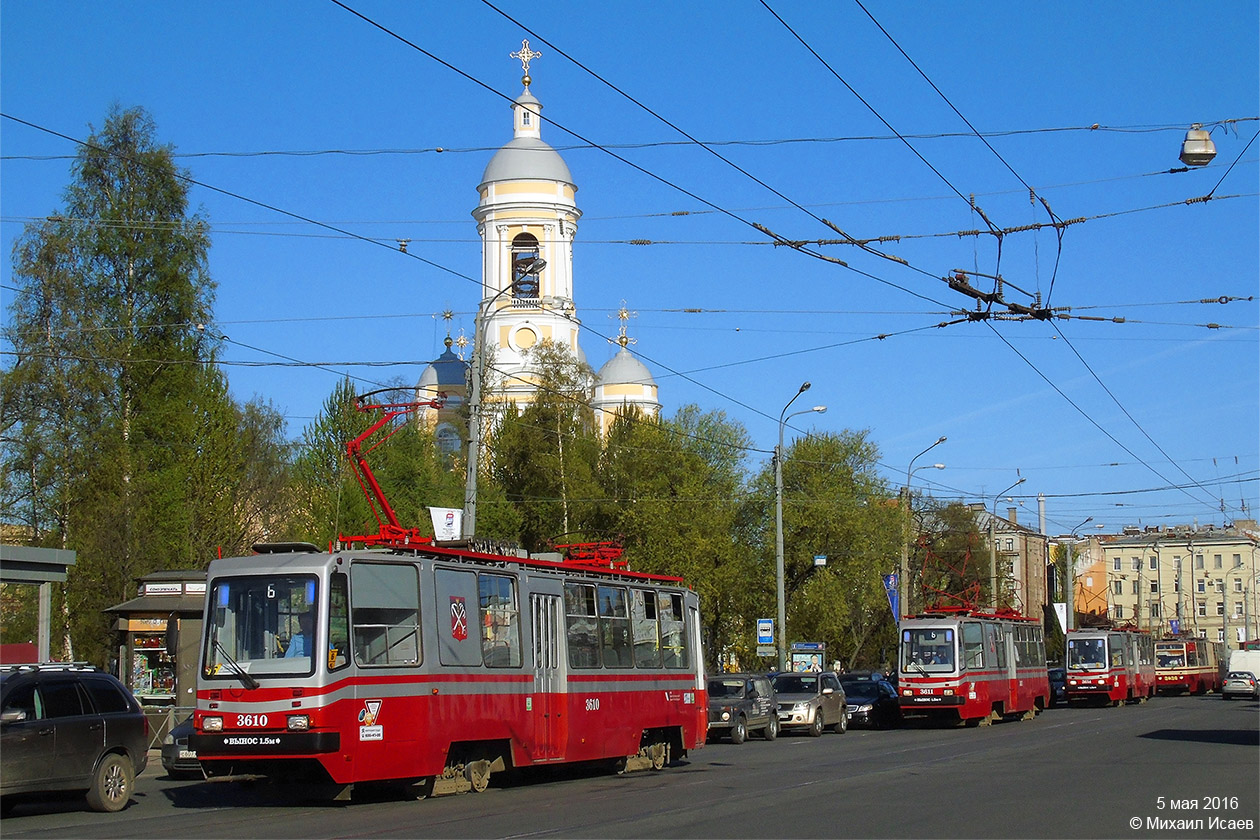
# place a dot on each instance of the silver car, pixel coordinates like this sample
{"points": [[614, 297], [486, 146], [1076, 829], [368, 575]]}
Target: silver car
{"points": [[812, 702], [1240, 684]]}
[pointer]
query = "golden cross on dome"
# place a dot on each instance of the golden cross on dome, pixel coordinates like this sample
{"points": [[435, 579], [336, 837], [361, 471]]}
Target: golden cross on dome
{"points": [[624, 315], [461, 343], [526, 55]]}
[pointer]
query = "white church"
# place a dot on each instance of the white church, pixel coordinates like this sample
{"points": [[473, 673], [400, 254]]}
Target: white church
{"points": [[527, 218]]}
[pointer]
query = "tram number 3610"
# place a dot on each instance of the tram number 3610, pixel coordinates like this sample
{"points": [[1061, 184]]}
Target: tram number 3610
{"points": [[592, 704], [251, 720]]}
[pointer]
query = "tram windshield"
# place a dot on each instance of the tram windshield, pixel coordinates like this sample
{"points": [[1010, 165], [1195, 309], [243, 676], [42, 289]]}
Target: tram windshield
{"points": [[260, 626], [1170, 657], [1085, 654], [928, 650]]}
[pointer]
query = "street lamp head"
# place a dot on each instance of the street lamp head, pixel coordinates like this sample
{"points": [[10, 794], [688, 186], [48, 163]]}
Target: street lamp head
{"points": [[819, 409], [534, 266], [1197, 149], [805, 386], [937, 466], [941, 439]]}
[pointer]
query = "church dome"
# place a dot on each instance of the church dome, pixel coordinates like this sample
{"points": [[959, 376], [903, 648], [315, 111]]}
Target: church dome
{"points": [[445, 373], [526, 157], [624, 369]]}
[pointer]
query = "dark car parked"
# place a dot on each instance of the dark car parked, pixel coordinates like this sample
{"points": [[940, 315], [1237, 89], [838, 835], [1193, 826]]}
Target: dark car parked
{"points": [[742, 703], [66, 728], [872, 702], [178, 759], [1058, 686]]}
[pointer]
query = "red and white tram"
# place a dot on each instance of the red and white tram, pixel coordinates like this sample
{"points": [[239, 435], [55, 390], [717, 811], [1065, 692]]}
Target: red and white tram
{"points": [[436, 666], [963, 665], [1188, 664], [1110, 665]]}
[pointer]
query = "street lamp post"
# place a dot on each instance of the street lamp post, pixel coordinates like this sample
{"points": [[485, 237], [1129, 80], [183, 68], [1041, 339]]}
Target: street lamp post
{"points": [[1069, 580], [903, 572], [531, 269], [993, 591], [778, 523]]}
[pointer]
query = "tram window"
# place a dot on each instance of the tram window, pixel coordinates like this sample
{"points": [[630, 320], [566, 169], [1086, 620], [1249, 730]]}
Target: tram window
{"points": [[1117, 653], [339, 623], [455, 610], [673, 630], [580, 623], [385, 612], [614, 628], [928, 649], [500, 622], [973, 645], [1087, 653], [643, 625]]}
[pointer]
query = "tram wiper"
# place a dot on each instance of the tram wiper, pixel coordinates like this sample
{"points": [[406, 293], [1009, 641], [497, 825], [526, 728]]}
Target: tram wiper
{"points": [[244, 676]]}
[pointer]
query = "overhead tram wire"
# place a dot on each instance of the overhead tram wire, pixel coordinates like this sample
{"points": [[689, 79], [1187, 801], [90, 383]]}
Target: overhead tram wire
{"points": [[702, 144], [1231, 166], [608, 151], [1087, 416], [1124, 410], [1053, 218]]}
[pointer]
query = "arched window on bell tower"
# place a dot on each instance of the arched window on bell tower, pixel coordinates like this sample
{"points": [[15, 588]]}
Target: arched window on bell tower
{"points": [[525, 257]]}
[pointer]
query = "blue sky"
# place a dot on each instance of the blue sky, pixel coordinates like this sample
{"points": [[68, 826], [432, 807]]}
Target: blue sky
{"points": [[1096, 415]]}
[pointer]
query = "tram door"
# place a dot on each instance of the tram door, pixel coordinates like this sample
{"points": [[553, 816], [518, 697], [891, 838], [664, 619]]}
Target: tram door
{"points": [[1012, 668], [549, 690]]}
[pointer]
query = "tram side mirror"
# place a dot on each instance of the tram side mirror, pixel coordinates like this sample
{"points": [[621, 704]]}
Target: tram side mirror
{"points": [[172, 635]]}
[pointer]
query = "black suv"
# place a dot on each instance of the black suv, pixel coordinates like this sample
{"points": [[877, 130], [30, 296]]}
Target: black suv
{"points": [[69, 727], [740, 703]]}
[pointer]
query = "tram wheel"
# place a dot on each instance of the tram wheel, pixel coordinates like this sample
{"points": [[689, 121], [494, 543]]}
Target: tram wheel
{"points": [[478, 775]]}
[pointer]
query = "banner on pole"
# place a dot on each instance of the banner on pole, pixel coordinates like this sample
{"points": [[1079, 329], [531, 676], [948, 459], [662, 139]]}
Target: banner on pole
{"points": [[894, 596]]}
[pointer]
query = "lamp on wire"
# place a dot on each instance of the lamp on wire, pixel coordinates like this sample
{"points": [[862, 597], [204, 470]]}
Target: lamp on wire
{"points": [[1197, 149]]}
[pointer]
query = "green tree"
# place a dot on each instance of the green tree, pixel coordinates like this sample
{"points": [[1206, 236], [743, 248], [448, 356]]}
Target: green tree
{"points": [[672, 491], [107, 405], [543, 458], [835, 503]]}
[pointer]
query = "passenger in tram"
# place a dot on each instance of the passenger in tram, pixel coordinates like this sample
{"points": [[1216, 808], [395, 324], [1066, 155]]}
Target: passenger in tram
{"points": [[301, 643]]}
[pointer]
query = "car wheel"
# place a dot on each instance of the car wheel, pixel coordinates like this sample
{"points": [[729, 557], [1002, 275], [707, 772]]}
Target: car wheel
{"points": [[772, 729], [111, 784], [739, 731], [843, 726], [816, 728]]}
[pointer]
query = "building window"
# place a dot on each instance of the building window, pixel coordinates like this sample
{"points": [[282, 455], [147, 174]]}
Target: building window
{"points": [[1203, 608], [1154, 587], [1198, 561], [1119, 611], [525, 115], [1202, 633], [1136, 590], [1202, 585], [1238, 585], [525, 256], [1237, 561], [1115, 564], [1216, 561], [1117, 587], [1154, 563], [1137, 564], [1010, 544], [1238, 609], [1220, 585], [1176, 586], [1154, 610], [1220, 634], [1220, 608]]}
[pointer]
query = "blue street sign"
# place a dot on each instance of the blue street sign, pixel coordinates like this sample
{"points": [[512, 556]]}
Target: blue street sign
{"points": [[765, 631]]}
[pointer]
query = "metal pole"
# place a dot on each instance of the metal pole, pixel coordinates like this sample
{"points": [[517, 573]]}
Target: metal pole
{"points": [[993, 590], [781, 630], [903, 573]]}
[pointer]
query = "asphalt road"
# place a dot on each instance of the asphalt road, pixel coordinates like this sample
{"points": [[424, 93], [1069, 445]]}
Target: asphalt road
{"points": [[1069, 773]]}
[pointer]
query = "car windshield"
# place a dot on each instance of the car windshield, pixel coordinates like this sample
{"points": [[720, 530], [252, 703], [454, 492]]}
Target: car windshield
{"points": [[726, 688], [1240, 675], [1087, 653], [1057, 674], [796, 684]]}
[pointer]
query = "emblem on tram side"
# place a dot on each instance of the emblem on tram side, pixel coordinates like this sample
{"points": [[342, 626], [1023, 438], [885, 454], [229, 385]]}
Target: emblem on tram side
{"points": [[459, 619], [369, 729]]}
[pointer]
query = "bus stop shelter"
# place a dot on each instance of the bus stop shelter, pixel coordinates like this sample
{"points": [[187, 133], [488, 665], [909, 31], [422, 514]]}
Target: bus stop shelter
{"points": [[40, 567]]}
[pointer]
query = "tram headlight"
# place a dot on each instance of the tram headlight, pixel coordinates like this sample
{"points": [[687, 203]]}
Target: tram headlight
{"points": [[212, 723], [299, 723]]}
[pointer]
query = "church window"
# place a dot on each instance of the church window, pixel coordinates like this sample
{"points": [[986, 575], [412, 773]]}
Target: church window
{"points": [[525, 258]]}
